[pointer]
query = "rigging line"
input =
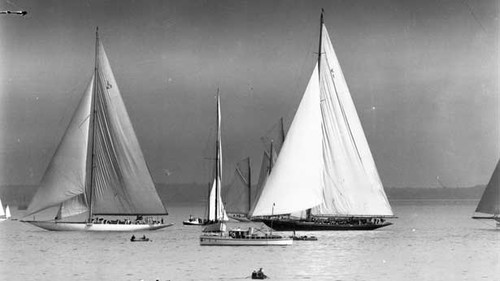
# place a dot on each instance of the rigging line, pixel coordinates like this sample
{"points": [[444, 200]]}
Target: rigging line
{"points": [[474, 16]]}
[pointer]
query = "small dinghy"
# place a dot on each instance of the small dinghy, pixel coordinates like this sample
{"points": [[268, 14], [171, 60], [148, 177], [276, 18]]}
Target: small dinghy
{"points": [[258, 274], [304, 238], [141, 239]]}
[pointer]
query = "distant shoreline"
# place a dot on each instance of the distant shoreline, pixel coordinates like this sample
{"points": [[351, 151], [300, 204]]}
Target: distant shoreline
{"points": [[20, 195]]}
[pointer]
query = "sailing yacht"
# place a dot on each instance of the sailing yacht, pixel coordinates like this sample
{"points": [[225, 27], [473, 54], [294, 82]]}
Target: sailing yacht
{"points": [[325, 177], [4, 214], [98, 168], [490, 201], [239, 197], [215, 207]]}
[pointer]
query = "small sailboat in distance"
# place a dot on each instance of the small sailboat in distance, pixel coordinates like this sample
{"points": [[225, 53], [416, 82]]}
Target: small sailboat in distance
{"points": [[239, 196], [325, 177], [3, 213], [7, 212], [98, 167], [215, 207], [490, 201]]}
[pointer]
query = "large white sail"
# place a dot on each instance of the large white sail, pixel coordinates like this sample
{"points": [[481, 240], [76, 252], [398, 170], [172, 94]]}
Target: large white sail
{"points": [[122, 182], [351, 182], [65, 175], [99, 159], [490, 201], [295, 181], [348, 183]]}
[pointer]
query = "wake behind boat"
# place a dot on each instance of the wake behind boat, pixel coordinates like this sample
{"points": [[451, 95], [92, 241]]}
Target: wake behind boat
{"points": [[98, 167], [325, 177]]}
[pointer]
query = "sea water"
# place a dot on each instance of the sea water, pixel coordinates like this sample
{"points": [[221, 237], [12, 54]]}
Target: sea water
{"points": [[430, 240]]}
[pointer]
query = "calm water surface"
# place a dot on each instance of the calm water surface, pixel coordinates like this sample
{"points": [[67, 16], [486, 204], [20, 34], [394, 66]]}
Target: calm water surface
{"points": [[429, 241]]}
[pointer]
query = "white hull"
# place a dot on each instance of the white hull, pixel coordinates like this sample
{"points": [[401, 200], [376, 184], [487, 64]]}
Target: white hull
{"points": [[208, 240], [2, 219], [82, 226], [192, 223]]}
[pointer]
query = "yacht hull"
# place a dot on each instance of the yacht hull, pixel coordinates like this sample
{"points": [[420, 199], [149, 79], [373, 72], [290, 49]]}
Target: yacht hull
{"points": [[83, 226], [297, 225], [208, 240]]}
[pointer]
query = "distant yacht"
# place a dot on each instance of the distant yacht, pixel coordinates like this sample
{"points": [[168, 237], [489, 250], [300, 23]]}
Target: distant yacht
{"points": [[490, 201], [325, 177], [98, 167], [239, 197], [4, 214], [215, 207]]}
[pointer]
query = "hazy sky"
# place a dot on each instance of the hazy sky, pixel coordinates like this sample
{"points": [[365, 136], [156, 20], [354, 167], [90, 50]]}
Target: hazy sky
{"points": [[423, 76]]}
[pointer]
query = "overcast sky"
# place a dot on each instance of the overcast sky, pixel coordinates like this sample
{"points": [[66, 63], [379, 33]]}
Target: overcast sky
{"points": [[423, 76]]}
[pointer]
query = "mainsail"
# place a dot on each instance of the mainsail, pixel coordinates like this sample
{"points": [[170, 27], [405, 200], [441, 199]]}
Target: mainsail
{"points": [[490, 201], [216, 210], [98, 166], [325, 163]]}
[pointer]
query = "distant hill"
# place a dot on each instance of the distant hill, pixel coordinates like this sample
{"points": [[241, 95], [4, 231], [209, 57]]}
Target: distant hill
{"points": [[20, 195]]}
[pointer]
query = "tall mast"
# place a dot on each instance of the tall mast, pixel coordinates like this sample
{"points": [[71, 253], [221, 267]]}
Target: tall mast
{"points": [[271, 157], [90, 149], [320, 36], [308, 211], [217, 158], [249, 184], [282, 131]]}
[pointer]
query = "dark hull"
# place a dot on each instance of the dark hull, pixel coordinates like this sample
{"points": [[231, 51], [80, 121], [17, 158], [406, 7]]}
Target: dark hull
{"points": [[297, 225]]}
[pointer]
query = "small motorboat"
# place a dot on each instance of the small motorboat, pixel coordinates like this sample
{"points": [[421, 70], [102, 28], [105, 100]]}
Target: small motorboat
{"points": [[194, 221], [304, 238], [141, 239], [217, 235], [258, 274]]}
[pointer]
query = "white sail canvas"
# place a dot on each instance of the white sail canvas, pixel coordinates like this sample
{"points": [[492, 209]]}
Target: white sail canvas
{"points": [[295, 181], [351, 182]]}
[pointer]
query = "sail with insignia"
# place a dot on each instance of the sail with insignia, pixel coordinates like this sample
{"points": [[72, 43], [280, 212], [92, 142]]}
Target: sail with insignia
{"points": [[98, 167]]}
